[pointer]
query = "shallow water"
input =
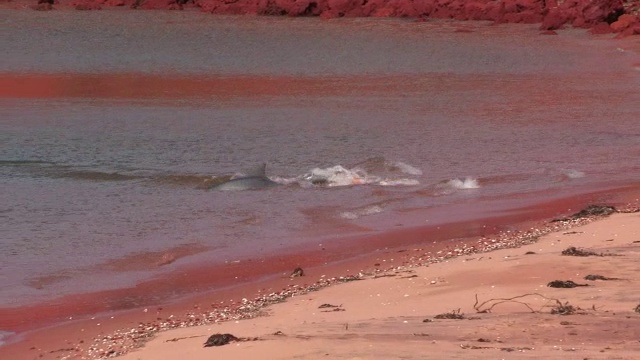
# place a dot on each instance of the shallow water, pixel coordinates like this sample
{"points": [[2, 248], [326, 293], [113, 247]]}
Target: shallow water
{"points": [[104, 180]]}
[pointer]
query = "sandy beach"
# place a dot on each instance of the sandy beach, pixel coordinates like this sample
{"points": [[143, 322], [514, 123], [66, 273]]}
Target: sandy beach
{"points": [[393, 315], [484, 138], [488, 298]]}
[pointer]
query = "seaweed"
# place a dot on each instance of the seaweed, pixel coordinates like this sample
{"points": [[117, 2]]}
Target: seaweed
{"points": [[590, 211], [219, 340], [566, 284], [454, 314], [573, 251]]}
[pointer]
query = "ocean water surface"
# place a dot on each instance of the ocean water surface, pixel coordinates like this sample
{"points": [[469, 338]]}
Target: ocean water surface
{"points": [[367, 125]]}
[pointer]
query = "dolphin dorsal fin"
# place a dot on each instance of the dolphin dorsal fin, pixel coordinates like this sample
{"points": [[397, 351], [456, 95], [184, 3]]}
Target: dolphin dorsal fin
{"points": [[258, 171]]}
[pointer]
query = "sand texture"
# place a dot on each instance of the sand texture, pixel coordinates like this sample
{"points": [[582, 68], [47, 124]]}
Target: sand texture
{"points": [[393, 315]]}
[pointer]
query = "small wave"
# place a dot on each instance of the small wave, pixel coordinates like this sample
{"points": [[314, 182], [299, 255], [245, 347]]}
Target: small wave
{"points": [[338, 175], [92, 175], [573, 174], [399, 182], [465, 183], [369, 210], [22, 162], [4, 335], [408, 169]]}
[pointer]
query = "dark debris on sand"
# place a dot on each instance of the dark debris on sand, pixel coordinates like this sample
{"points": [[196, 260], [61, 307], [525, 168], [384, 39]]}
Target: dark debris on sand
{"points": [[566, 284], [219, 340], [563, 309], [573, 251], [594, 277], [590, 211], [454, 314]]}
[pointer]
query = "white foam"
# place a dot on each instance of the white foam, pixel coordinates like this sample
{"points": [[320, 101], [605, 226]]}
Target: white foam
{"points": [[462, 184], [369, 210], [4, 335], [408, 169], [399, 182], [574, 174], [338, 175]]}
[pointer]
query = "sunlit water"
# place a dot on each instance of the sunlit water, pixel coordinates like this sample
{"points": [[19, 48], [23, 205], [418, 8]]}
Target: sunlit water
{"points": [[449, 118]]}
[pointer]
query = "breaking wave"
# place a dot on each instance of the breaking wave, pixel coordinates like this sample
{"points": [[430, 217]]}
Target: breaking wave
{"points": [[465, 183], [4, 335], [355, 214], [374, 171], [573, 174]]}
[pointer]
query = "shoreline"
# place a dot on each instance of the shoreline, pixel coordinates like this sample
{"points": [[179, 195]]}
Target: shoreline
{"points": [[429, 312], [74, 338], [603, 17]]}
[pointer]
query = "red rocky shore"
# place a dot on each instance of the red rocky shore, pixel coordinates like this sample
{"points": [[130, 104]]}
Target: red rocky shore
{"points": [[601, 16]]}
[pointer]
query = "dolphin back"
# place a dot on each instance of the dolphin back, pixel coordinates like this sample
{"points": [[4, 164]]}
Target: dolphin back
{"points": [[255, 179]]}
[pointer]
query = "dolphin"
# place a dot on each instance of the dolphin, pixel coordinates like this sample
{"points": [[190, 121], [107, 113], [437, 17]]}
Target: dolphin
{"points": [[253, 180]]}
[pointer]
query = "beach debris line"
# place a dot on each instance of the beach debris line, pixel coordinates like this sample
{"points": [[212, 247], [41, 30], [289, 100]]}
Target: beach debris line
{"points": [[559, 308], [507, 349], [125, 340], [564, 284], [297, 272], [573, 251], [594, 277], [453, 314], [224, 339], [590, 211], [563, 309], [219, 340], [332, 307]]}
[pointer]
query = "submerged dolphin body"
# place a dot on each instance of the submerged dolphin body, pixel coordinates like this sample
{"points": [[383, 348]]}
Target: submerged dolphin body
{"points": [[253, 181]]}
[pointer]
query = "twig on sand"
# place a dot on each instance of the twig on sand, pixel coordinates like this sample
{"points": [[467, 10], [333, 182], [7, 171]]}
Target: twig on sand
{"points": [[183, 338], [560, 308]]}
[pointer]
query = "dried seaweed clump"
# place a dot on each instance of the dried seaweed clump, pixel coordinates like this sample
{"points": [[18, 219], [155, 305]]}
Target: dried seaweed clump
{"points": [[594, 277], [454, 314], [590, 211], [637, 309], [563, 309], [566, 284], [594, 210], [573, 251], [219, 340]]}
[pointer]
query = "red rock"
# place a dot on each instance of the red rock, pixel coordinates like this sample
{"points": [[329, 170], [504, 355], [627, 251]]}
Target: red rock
{"points": [[340, 7], [495, 11], [384, 12], [548, 32], [293, 7], [423, 8], [624, 21], [405, 8], [42, 7], [554, 19], [600, 29], [531, 17], [114, 3], [476, 10], [87, 6], [592, 12]]}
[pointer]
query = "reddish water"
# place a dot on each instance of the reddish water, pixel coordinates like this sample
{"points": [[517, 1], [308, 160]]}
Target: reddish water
{"points": [[107, 138]]}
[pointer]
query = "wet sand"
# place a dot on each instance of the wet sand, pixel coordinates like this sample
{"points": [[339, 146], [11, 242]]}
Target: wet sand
{"points": [[502, 298], [97, 326], [68, 327]]}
